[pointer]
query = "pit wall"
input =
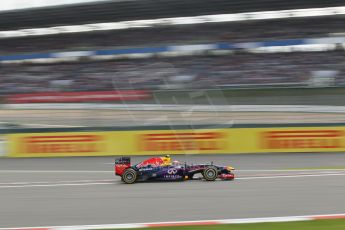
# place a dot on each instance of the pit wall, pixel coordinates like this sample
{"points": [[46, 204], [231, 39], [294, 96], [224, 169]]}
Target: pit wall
{"points": [[179, 140]]}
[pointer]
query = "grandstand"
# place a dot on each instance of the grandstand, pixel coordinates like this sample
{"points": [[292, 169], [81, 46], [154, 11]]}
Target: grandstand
{"points": [[251, 52], [196, 72], [123, 10], [247, 31]]}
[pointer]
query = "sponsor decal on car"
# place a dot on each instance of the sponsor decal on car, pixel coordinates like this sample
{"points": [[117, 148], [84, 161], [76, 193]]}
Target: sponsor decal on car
{"points": [[303, 139], [81, 143], [172, 176], [202, 141], [172, 171], [145, 169]]}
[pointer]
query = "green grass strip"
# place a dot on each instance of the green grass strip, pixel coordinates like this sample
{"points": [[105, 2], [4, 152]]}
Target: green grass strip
{"points": [[338, 224]]}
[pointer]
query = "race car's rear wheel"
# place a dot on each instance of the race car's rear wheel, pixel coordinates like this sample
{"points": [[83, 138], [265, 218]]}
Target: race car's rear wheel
{"points": [[129, 176], [210, 173]]}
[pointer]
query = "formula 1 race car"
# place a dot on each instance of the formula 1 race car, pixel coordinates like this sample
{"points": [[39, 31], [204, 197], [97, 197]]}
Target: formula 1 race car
{"points": [[162, 169]]}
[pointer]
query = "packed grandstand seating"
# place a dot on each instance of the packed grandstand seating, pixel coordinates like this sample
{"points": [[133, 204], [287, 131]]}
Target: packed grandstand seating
{"points": [[236, 70], [206, 70], [249, 31]]}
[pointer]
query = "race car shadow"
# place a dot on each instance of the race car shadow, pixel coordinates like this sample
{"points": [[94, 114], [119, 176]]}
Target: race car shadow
{"points": [[174, 181]]}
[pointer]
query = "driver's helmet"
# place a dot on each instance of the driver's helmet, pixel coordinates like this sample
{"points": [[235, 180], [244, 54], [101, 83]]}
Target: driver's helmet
{"points": [[176, 163], [166, 160]]}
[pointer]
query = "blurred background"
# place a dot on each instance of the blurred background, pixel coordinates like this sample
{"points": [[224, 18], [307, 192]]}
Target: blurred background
{"points": [[139, 62], [207, 79]]}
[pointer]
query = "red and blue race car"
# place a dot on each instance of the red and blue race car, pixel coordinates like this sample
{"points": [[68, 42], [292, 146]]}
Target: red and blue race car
{"points": [[163, 169]]}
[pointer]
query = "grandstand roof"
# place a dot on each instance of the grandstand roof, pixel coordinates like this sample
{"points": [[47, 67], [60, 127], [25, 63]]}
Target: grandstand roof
{"points": [[121, 10]]}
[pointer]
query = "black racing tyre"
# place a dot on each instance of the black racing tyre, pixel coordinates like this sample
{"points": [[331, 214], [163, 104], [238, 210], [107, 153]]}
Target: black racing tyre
{"points": [[210, 173], [129, 176]]}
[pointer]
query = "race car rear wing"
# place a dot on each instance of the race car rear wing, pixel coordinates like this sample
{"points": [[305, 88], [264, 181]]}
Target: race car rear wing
{"points": [[121, 164], [123, 161]]}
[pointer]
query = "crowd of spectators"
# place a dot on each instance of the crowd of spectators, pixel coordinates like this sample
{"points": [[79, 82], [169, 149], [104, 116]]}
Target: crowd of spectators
{"points": [[248, 31], [236, 70], [188, 72]]}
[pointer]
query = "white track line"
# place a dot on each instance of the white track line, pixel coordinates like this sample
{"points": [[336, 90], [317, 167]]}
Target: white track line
{"points": [[54, 171], [290, 176], [287, 170], [57, 182], [52, 185], [106, 182], [110, 171]]}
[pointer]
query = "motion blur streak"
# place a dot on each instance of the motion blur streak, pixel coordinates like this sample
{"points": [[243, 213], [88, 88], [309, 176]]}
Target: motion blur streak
{"points": [[191, 223], [200, 80], [263, 15]]}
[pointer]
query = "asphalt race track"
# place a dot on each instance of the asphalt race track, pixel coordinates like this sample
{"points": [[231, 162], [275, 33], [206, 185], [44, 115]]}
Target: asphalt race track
{"points": [[75, 191]]}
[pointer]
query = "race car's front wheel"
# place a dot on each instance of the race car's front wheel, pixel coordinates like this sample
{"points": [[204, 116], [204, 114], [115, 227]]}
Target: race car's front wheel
{"points": [[129, 176], [210, 173]]}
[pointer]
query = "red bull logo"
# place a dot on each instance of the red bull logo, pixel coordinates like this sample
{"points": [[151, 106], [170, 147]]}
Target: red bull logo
{"points": [[202, 141], [62, 144], [302, 139]]}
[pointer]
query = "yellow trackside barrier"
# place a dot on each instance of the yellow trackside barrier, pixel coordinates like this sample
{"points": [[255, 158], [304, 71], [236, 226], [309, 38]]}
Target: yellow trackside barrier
{"points": [[292, 139], [198, 141], [59, 144], [118, 143]]}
